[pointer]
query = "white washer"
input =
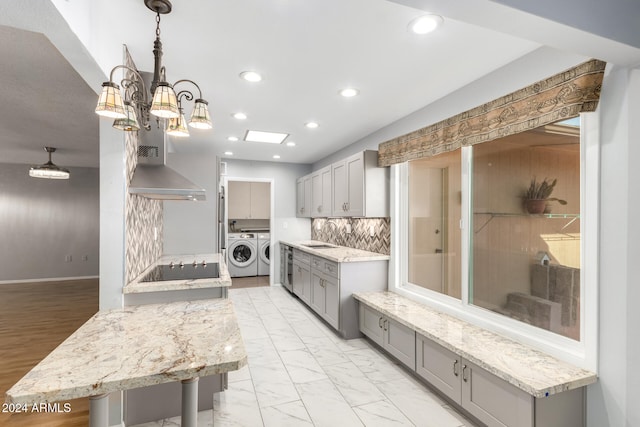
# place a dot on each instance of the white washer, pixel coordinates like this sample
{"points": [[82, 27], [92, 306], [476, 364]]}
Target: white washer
{"points": [[242, 253], [264, 249]]}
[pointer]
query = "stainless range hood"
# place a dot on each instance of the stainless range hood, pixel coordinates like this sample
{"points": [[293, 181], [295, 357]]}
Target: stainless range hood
{"points": [[153, 178]]}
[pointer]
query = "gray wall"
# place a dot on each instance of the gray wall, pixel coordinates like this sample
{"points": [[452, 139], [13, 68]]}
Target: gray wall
{"points": [[42, 221], [191, 227]]}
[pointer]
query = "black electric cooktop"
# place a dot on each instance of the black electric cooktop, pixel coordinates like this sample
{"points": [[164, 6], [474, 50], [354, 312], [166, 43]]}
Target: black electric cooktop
{"points": [[163, 273]]}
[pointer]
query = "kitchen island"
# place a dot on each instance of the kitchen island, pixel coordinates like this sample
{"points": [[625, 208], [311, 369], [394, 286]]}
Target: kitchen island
{"points": [[152, 286], [138, 346]]}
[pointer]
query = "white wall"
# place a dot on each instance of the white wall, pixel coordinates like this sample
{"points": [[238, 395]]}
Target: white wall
{"points": [[42, 221], [284, 224], [520, 73], [613, 401]]}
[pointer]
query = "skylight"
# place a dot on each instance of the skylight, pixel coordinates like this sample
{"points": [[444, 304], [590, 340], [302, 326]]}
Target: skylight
{"points": [[267, 137]]}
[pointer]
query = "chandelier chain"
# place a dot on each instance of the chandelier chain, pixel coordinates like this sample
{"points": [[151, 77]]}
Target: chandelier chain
{"points": [[158, 24]]}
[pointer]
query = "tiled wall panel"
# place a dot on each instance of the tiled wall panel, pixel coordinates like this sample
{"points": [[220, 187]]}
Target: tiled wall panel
{"points": [[334, 230], [144, 221]]}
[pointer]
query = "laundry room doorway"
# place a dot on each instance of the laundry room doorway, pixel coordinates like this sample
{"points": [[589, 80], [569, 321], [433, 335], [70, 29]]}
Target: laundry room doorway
{"points": [[248, 214]]}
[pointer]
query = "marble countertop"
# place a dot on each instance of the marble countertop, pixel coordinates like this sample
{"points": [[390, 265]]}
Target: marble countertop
{"points": [[337, 253], [134, 347], [136, 286], [536, 373]]}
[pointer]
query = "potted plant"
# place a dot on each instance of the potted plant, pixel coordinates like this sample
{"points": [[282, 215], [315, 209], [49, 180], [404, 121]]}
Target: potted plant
{"points": [[537, 195]]}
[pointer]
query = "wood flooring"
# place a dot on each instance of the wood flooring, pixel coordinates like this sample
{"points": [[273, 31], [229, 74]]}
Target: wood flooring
{"points": [[34, 319], [249, 282]]}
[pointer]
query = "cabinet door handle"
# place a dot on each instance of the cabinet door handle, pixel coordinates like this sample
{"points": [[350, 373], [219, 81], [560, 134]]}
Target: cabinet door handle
{"points": [[320, 208], [386, 325], [455, 368], [464, 371], [347, 205], [380, 322]]}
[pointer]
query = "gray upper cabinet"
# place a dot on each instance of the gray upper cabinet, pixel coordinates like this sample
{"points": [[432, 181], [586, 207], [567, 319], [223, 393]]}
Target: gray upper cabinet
{"points": [[303, 197], [321, 193], [355, 186]]}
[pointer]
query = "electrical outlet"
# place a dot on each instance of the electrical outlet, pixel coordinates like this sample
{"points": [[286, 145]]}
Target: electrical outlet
{"points": [[372, 230], [348, 228], [155, 233], [285, 225]]}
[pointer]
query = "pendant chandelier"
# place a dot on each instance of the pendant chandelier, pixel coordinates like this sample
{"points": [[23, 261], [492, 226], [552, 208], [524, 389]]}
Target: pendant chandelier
{"points": [[132, 111], [49, 170]]}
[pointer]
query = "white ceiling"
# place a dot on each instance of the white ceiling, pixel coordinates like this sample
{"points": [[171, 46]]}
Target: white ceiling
{"points": [[306, 50]]}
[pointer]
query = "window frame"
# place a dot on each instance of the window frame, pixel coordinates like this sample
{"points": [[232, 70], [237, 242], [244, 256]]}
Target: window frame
{"points": [[582, 353]]}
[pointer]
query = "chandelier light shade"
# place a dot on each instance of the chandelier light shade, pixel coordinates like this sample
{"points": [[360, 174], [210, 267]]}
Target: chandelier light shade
{"points": [[177, 127], [165, 103], [49, 170], [200, 118], [160, 99], [130, 122], [110, 102]]}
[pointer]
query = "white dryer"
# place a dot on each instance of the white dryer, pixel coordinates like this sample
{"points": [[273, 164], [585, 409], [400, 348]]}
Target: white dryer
{"points": [[264, 248], [242, 254]]}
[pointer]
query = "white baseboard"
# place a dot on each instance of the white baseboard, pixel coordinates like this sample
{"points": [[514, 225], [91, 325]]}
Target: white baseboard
{"points": [[47, 279]]}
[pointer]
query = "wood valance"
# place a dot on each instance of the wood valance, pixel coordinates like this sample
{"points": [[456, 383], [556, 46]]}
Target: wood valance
{"points": [[560, 97]]}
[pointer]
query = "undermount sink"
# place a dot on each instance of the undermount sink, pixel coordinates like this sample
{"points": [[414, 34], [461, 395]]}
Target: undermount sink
{"points": [[319, 246]]}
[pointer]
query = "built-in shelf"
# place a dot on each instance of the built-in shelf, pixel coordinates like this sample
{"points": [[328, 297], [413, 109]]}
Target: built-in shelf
{"points": [[571, 217]]}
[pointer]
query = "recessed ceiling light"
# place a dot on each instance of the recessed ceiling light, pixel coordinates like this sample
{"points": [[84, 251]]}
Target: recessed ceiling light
{"points": [[425, 24], [240, 116], [250, 76], [228, 153], [291, 144], [349, 92], [275, 156], [232, 138], [268, 137], [311, 125]]}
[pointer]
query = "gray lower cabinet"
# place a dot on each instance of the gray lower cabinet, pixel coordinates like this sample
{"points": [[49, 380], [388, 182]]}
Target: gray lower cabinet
{"points": [[396, 338], [301, 277], [490, 399], [325, 297], [327, 286]]}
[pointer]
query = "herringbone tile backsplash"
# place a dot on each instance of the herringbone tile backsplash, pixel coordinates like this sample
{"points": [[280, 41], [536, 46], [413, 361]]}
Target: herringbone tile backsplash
{"points": [[334, 230], [142, 216]]}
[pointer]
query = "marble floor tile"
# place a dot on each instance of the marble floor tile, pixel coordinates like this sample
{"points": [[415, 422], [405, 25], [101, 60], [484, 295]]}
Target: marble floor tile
{"points": [[420, 405], [286, 339], [273, 385], [326, 406], [326, 352], [355, 387], [275, 322], [376, 366], [302, 367], [237, 406], [239, 375], [381, 414], [293, 414]]}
